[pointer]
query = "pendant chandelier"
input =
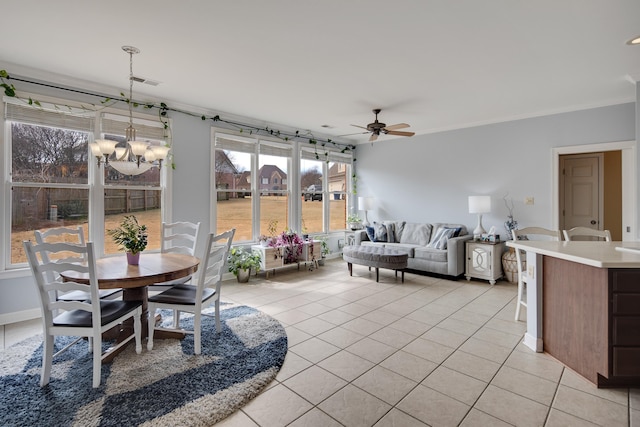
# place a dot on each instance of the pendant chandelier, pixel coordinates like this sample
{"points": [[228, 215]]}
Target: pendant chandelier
{"points": [[138, 156]]}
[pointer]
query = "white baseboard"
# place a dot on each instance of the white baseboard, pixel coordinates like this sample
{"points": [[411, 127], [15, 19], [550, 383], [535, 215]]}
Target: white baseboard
{"points": [[20, 316], [533, 343]]}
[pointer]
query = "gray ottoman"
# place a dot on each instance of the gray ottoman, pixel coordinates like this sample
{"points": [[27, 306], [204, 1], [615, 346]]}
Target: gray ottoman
{"points": [[376, 257]]}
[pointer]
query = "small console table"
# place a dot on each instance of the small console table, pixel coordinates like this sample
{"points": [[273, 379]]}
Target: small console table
{"points": [[273, 257]]}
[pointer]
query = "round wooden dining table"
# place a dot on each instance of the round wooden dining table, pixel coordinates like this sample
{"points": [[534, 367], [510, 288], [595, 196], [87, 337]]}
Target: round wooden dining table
{"points": [[114, 272]]}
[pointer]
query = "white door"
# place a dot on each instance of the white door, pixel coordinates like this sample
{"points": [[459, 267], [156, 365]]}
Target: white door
{"points": [[581, 187]]}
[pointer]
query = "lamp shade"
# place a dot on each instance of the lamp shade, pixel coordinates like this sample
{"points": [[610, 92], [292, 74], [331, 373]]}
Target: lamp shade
{"points": [[365, 203], [479, 204]]}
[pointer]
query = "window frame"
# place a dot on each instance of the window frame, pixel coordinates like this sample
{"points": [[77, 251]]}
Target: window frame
{"points": [[95, 179], [292, 180]]}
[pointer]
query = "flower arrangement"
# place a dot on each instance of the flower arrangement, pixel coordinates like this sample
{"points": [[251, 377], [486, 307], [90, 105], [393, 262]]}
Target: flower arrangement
{"points": [[293, 245], [241, 259], [510, 223], [130, 236]]}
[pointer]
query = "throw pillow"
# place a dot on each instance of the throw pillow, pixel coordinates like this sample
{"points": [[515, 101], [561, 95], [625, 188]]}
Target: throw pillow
{"points": [[391, 231], [380, 232], [457, 231], [441, 237], [416, 234], [370, 233]]}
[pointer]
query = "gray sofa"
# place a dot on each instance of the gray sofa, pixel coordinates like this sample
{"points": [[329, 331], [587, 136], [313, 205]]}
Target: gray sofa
{"points": [[437, 248]]}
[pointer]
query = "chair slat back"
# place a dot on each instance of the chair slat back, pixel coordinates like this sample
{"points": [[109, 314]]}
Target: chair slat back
{"points": [[179, 237], [587, 234], [63, 235], [533, 233], [47, 272], [215, 258]]}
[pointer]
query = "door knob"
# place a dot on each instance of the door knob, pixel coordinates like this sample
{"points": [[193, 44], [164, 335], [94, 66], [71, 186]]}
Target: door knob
{"points": [[593, 222]]}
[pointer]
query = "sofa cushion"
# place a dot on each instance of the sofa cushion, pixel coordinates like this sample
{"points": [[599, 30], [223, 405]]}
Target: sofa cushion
{"points": [[370, 243], [402, 248], [430, 254], [417, 234]]}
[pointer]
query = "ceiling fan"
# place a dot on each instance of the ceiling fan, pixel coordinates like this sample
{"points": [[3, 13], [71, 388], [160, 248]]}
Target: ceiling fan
{"points": [[376, 128]]}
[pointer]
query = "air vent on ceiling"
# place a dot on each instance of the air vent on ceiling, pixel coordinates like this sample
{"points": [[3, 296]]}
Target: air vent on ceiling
{"points": [[145, 81]]}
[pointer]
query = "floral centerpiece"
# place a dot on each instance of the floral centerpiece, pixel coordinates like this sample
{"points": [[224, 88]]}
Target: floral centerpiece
{"points": [[292, 243], [131, 237]]}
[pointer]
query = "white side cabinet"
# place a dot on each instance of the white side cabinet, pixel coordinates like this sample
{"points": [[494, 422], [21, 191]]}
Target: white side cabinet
{"points": [[484, 260], [272, 258]]}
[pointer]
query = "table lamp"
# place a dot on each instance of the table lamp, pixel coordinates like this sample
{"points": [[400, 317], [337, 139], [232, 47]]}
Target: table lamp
{"points": [[479, 205], [365, 204]]}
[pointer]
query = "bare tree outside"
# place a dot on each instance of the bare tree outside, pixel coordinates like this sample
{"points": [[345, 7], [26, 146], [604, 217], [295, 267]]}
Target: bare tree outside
{"points": [[309, 177], [44, 154]]}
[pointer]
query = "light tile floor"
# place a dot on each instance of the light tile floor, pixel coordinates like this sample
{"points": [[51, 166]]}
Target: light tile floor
{"points": [[429, 352]]}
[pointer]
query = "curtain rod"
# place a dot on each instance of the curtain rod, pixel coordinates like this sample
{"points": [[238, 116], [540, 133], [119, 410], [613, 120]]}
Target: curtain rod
{"points": [[162, 106]]}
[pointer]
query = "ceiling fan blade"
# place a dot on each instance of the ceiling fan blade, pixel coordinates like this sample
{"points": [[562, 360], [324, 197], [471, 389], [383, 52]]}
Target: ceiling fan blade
{"points": [[373, 137], [361, 127], [400, 133], [397, 126], [350, 134]]}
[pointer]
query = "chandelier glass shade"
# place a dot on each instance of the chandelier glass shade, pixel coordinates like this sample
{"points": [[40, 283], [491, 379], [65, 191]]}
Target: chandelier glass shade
{"points": [[138, 156]]}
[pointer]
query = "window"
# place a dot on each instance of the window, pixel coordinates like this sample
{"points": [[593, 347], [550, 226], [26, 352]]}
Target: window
{"points": [[51, 177], [139, 195], [234, 209], [49, 173], [264, 170], [274, 160], [311, 185], [338, 173]]}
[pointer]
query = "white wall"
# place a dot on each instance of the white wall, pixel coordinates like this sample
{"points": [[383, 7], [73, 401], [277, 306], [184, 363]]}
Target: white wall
{"points": [[428, 178]]}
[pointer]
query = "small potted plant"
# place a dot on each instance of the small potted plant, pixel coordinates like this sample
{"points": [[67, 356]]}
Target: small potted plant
{"points": [[354, 222], [131, 236], [324, 249], [241, 262]]}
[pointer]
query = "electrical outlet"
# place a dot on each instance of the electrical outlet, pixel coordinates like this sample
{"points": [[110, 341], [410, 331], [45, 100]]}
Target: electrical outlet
{"points": [[528, 200], [531, 272]]}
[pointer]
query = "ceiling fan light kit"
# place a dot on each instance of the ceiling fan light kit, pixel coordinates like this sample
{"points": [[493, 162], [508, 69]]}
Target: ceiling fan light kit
{"points": [[377, 127]]}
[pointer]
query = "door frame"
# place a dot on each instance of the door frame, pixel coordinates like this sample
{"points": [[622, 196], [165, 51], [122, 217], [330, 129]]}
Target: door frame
{"points": [[561, 194], [629, 195]]}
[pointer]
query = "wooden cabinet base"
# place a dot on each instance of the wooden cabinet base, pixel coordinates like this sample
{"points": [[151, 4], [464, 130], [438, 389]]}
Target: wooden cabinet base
{"points": [[587, 324]]}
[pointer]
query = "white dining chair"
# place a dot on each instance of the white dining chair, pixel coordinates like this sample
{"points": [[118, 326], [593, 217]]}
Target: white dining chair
{"points": [[177, 238], [587, 234], [195, 298], [528, 233], [76, 236], [89, 318]]}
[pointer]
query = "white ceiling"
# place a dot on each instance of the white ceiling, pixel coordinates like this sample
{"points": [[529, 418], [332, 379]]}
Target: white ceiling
{"points": [[436, 65]]}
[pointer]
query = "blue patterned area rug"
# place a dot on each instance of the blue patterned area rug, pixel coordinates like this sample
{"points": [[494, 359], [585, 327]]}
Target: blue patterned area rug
{"points": [[168, 386]]}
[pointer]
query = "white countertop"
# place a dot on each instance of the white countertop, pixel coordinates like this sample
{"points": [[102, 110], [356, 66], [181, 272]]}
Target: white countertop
{"points": [[595, 254]]}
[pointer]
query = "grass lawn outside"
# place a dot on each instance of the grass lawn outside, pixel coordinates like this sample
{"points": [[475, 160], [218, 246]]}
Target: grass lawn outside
{"points": [[234, 213]]}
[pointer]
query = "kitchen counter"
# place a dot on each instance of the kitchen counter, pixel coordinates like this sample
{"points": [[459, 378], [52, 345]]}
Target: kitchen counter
{"points": [[583, 307]]}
